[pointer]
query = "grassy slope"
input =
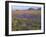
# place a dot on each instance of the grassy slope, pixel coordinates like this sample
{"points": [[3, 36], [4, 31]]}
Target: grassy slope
{"points": [[18, 24]]}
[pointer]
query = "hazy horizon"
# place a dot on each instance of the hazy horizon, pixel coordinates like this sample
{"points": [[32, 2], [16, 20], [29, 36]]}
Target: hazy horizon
{"points": [[14, 7]]}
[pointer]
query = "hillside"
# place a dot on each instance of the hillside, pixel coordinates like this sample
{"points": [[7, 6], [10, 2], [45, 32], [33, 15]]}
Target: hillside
{"points": [[26, 20], [21, 12]]}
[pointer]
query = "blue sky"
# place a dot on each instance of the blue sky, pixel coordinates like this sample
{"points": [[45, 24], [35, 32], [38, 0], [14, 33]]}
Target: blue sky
{"points": [[14, 7], [20, 7]]}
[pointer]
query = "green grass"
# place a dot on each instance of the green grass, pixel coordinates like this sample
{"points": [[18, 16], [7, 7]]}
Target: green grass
{"points": [[17, 24]]}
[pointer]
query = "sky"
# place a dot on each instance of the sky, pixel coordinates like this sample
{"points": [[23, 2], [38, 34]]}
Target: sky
{"points": [[14, 7]]}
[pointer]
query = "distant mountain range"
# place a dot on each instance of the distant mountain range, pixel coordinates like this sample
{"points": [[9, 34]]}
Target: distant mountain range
{"points": [[30, 8], [34, 9]]}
